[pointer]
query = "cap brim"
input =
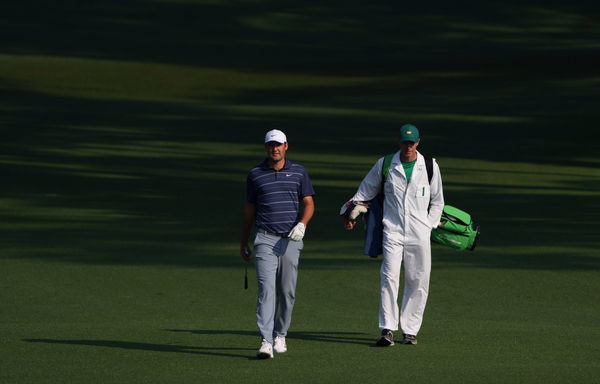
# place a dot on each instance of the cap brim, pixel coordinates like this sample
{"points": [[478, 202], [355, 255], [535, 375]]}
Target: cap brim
{"points": [[411, 139]]}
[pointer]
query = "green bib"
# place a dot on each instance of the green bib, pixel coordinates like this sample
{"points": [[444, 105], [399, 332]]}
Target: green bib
{"points": [[408, 168]]}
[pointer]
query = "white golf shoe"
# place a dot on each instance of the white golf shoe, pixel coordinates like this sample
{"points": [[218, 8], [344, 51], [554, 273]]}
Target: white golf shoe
{"points": [[265, 351], [279, 344]]}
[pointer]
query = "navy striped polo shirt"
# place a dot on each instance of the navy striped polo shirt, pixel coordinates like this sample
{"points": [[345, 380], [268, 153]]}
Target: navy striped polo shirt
{"points": [[277, 195]]}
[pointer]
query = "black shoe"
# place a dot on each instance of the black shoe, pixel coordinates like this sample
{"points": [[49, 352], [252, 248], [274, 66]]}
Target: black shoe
{"points": [[386, 339], [409, 339]]}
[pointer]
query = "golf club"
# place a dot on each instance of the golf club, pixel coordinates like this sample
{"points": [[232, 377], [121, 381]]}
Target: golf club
{"points": [[246, 270]]}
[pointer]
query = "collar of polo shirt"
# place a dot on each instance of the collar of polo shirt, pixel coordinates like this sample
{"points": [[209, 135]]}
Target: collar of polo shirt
{"points": [[286, 165]]}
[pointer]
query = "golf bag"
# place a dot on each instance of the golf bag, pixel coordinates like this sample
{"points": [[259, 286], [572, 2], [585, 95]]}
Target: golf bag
{"points": [[456, 230], [374, 228], [374, 216]]}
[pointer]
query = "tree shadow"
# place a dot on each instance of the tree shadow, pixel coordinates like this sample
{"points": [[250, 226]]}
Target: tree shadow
{"points": [[113, 181], [271, 33]]}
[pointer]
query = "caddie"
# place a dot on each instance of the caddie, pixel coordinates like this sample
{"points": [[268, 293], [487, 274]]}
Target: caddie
{"points": [[412, 207], [280, 204]]}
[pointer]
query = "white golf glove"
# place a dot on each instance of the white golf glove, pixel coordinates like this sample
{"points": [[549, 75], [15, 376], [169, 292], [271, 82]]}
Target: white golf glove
{"points": [[297, 233]]}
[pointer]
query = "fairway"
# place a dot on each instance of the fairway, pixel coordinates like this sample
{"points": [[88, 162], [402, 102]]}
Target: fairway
{"points": [[128, 131]]}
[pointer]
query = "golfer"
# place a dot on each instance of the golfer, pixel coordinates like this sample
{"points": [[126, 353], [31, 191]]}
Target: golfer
{"points": [[412, 207], [280, 204]]}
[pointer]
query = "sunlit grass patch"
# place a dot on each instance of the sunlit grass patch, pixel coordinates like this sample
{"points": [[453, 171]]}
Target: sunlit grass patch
{"points": [[131, 80]]}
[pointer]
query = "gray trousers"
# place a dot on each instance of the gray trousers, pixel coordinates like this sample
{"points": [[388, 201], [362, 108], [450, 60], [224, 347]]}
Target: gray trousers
{"points": [[276, 261]]}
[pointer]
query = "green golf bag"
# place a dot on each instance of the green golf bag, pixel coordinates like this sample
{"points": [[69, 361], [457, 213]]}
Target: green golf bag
{"points": [[456, 230]]}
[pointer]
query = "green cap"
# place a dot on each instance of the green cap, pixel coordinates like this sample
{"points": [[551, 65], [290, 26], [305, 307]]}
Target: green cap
{"points": [[409, 132]]}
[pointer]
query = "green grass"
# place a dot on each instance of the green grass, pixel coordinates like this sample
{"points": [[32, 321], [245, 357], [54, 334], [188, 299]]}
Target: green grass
{"points": [[174, 324], [129, 127]]}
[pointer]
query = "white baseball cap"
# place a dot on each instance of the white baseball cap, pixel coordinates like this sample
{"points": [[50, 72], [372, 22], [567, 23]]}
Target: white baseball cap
{"points": [[275, 135]]}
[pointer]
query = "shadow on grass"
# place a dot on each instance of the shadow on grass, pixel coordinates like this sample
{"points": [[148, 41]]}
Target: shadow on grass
{"points": [[319, 336], [149, 347], [294, 33], [122, 182], [327, 337]]}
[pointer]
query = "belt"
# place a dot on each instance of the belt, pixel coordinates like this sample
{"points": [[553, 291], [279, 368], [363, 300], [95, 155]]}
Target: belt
{"points": [[271, 233]]}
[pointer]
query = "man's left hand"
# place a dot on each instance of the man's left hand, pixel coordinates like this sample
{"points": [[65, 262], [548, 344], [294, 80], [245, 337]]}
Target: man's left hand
{"points": [[297, 233]]}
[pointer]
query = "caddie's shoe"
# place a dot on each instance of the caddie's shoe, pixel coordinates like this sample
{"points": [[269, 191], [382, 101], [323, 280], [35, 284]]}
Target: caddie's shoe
{"points": [[409, 339], [386, 339], [279, 344], [265, 351]]}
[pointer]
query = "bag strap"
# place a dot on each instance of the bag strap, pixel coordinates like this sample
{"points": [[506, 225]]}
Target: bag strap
{"points": [[429, 167], [385, 167], [385, 171]]}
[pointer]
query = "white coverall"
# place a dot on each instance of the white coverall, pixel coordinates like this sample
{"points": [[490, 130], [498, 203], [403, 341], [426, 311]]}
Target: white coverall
{"points": [[410, 212]]}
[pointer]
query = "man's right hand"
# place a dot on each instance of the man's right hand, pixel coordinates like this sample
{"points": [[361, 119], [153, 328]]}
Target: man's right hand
{"points": [[349, 224], [245, 253]]}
